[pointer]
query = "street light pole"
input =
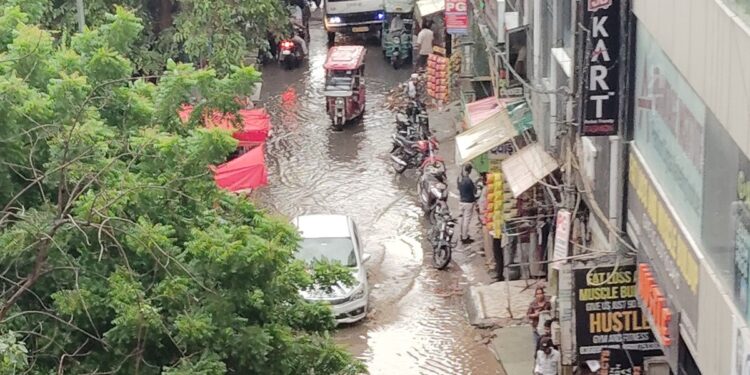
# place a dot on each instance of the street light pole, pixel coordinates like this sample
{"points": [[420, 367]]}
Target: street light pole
{"points": [[81, 17]]}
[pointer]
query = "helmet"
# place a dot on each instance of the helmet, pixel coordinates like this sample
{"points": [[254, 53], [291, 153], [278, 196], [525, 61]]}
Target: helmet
{"points": [[414, 76]]}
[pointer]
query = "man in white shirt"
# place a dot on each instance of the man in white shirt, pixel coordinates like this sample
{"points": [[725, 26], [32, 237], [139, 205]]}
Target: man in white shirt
{"points": [[424, 44], [411, 86], [547, 359]]}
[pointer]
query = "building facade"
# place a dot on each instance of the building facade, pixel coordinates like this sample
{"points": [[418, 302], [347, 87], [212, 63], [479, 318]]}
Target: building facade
{"points": [[668, 186], [686, 186]]}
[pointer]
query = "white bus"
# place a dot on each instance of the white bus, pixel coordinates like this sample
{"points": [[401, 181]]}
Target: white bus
{"points": [[352, 16]]}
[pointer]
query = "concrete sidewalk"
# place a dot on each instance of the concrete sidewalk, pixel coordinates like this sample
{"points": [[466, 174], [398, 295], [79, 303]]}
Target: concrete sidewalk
{"points": [[513, 348], [470, 258], [500, 306]]}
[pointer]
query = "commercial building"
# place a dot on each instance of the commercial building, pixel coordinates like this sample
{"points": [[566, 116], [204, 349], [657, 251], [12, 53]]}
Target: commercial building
{"points": [[687, 211], [647, 104]]}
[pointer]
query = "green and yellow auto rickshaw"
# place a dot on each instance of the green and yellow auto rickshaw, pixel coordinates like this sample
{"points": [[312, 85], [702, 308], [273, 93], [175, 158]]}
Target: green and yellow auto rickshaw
{"points": [[396, 37]]}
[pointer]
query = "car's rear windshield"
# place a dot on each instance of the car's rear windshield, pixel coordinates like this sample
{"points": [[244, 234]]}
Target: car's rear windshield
{"points": [[338, 250]]}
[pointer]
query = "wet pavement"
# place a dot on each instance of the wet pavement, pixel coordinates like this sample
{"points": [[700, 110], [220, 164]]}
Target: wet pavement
{"points": [[417, 322]]}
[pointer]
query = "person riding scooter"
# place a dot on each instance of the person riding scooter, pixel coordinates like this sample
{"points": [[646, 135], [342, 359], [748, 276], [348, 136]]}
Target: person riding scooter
{"points": [[298, 27], [397, 27]]}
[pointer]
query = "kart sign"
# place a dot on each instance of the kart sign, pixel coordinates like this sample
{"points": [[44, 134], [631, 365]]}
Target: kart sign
{"points": [[457, 17], [601, 83]]}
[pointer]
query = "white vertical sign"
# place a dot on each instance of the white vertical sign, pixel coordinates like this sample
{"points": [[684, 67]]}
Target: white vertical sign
{"points": [[562, 237]]}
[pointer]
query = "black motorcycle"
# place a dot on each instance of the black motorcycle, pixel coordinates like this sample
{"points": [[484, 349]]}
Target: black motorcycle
{"points": [[407, 154], [442, 238], [416, 112], [407, 129], [431, 186]]}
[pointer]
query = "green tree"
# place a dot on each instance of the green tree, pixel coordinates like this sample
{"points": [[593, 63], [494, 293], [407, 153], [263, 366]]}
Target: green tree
{"points": [[219, 33], [118, 253]]}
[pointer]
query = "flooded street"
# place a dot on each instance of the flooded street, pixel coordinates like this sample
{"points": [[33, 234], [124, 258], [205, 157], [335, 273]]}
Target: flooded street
{"points": [[417, 323]]}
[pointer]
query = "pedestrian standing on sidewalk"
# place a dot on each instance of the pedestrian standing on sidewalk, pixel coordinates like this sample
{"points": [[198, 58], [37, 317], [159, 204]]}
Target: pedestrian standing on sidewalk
{"points": [[547, 334], [547, 359], [424, 44], [539, 304], [468, 200]]}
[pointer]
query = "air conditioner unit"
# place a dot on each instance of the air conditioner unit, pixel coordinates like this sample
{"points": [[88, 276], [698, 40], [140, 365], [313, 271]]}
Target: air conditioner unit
{"points": [[656, 366]]}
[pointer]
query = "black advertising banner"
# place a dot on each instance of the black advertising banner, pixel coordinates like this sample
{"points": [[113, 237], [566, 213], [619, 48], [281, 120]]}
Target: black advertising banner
{"points": [[608, 315], [620, 362], [601, 79]]}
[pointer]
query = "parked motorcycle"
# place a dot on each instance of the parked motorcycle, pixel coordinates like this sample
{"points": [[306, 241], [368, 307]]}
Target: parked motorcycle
{"points": [[407, 154], [442, 240], [417, 115], [431, 186], [407, 129]]}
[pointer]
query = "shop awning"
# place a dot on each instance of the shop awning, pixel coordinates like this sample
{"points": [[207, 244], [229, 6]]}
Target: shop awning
{"points": [[526, 167], [426, 8], [482, 110], [491, 122], [485, 136], [248, 171]]}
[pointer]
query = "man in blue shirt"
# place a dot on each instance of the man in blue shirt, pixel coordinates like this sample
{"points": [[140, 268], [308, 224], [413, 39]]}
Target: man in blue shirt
{"points": [[467, 204]]}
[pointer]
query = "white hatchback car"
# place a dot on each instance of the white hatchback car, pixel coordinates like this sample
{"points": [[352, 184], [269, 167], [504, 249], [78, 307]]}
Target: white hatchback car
{"points": [[335, 238]]}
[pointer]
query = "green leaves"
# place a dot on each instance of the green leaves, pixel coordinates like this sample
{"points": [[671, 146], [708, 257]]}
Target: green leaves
{"points": [[220, 32], [13, 354], [119, 254]]}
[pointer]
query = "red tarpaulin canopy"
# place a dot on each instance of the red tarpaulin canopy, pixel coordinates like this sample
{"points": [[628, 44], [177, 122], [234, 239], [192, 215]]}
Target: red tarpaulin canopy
{"points": [[248, 171], [256, 123]]}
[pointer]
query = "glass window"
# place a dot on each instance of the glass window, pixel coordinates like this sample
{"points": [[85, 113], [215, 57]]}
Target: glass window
{"points": [[336, 250], [670, 128], [704, 174], [339, 80]]}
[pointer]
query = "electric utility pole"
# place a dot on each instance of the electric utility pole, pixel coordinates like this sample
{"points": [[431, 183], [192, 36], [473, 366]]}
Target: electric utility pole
{"points": [[80, 16]]}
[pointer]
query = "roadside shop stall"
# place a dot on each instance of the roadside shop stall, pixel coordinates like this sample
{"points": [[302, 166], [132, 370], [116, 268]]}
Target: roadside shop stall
{"points": [[433, 11], [254, 130], [244, 173], [498, 140], [246, 169]]}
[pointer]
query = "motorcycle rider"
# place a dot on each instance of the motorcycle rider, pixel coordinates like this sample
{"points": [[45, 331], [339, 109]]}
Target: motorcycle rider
{"points": [[467, 191], [298, 22]]}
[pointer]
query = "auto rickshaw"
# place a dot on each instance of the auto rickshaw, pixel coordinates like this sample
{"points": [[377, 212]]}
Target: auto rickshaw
{"points": [[345, 85], [396, 38]]}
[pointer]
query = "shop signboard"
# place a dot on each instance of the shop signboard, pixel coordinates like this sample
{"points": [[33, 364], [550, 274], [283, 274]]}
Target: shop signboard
{"points": [[620, 362], [562, 237], [672, 289], [601, 81], [608, 315], [457, 17], [661, 239]]}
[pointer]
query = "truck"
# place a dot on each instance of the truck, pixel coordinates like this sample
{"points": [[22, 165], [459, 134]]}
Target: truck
{"points": [[353, 17]]}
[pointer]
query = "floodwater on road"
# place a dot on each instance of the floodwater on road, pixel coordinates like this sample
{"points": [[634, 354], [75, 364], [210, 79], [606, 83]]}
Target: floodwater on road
{"points": [[417, 323]]}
